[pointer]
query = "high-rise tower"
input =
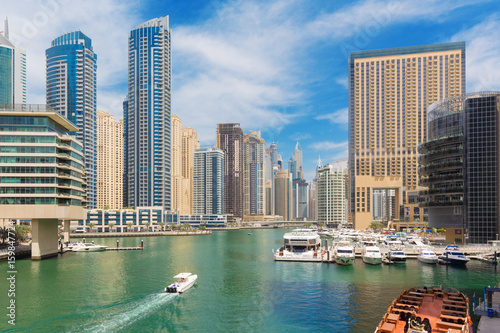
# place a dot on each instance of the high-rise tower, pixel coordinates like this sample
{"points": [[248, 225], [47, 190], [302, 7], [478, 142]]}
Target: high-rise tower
{"points": [[12, 71], [208, 187], [71, 91], [147, 116], [254, 174], [230, 141], [389, 93]]}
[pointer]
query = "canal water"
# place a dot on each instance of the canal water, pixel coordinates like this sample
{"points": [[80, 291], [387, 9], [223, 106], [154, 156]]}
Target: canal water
{"points": [[240, 288]]}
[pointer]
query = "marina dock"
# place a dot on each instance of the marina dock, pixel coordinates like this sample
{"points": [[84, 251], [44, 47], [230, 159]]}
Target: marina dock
{"points": [[124, 248], [488, 310]]}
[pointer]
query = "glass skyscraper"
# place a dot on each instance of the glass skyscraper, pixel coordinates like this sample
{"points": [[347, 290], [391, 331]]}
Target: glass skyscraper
{"points": [[12, 71], [71, 91], [147, 116]]}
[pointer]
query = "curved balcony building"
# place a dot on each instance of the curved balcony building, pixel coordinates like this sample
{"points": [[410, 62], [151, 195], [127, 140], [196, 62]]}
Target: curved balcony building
{"points": [[459, 165]]}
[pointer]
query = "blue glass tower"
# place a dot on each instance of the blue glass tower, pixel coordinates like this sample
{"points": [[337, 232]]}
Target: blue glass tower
{"points": [[147, 116], [71, 91]]}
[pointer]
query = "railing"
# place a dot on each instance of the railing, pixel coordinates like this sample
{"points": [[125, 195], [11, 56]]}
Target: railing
{"points": [[26, 107]]}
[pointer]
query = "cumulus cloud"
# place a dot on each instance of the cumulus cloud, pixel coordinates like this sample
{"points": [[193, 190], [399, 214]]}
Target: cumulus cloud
{"points": [[338, 117], [328, 145], [482, 54]]}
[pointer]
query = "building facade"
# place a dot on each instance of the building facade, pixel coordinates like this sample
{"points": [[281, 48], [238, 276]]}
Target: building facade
{"points": [[71, 90], [176, 163], [283, 195], [389, 93], [109, 161], [42, 175], [190, 144], [331, 196], [12, 71], [230, 140], [460, 165], [123, 220], [208, 181], [253, 177], [147, 116]]}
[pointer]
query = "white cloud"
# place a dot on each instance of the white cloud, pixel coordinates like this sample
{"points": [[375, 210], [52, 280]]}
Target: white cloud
{"points": [[328, 145], [338, 117], [107, 23], [482, 54], [299, 136]]}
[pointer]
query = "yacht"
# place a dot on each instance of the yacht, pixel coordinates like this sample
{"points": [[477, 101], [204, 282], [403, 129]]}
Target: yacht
{"points": [[453, 256], [344, 254], [371, 255], [183, 283], [395, 257], [85, 247], [392, 241], [427, 257], [300, 245]]}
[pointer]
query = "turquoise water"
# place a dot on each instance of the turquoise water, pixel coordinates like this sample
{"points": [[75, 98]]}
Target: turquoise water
{"points": [[240, 288]]}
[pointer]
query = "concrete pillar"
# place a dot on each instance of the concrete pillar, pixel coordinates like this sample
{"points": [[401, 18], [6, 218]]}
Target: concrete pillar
{"points": [[67, 224], [45, 238]]}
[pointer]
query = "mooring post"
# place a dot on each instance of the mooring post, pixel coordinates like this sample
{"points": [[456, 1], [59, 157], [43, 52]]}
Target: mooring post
{"points": [[117, 243], [142, 243]]}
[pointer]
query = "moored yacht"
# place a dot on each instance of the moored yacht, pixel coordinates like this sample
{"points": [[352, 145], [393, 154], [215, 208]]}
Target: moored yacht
{"points": [[300, 245], [427, 257], [85, 247], [453, 256], [344, 254], [395, 257], [371, 255]]}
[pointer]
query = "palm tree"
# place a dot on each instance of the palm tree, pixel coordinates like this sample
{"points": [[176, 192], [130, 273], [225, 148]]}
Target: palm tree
{"points": [[111, 226], [129, 226], [162, 225], [147, 224], [4, 233], [91, 226]]}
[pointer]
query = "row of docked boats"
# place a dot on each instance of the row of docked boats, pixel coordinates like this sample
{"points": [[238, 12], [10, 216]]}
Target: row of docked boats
{"points": [[305, 245]]}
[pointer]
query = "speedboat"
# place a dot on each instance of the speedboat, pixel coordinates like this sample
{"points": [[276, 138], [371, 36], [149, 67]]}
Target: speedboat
{"points": [[183, 283], [371, 255], [427, 257], [444, 310], [453, 256], [394, 257], [300, 245], [85, 247], [344, 254]]}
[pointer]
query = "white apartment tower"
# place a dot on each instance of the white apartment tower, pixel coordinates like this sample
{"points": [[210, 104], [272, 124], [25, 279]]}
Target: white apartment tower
{"points": [[331, 198]]}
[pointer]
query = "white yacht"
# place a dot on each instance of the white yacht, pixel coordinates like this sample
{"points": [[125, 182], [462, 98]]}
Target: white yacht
{"points": [[427, 257], [344, 254], [453, 256], [85, 247], [395, 257], [371, 255], [183, 283], [300, 245]]}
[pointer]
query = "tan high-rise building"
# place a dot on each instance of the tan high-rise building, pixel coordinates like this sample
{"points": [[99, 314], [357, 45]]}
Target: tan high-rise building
{"points": [[253, 175], [109, 161], [190, 144], [389, 93], [176, 127], [283, 194]]}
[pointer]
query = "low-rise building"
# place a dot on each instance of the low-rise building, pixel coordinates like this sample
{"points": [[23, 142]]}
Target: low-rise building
{"points": [[122, 220]]}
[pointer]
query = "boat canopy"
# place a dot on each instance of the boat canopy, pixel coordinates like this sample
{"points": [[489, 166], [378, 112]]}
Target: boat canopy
{"points": [[182, 275]]}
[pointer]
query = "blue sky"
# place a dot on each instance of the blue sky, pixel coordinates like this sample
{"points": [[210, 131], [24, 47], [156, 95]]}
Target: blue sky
{"points": [[278, 66]]}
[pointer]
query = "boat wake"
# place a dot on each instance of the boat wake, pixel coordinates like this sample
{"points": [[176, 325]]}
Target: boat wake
{"points": [[138, 309]]}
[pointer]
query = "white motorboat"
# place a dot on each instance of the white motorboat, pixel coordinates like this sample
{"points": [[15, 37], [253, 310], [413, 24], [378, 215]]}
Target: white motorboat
{"points": [[85, 247], [344, 254], [453, 256], [427, 257], [371, 255], [395, 257], [300, 245], [183, 283]]}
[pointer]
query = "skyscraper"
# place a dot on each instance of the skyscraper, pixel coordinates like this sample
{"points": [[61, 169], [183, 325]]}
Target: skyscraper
{"points": [[71, 91], [331, 195], [208, 178], [176, 163], [109, 161], [389, 92], [190, 144], [460, 165], [283, 194], [147, 116], [12, 71], [253, 184], [230, 141], [297, 153]]}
